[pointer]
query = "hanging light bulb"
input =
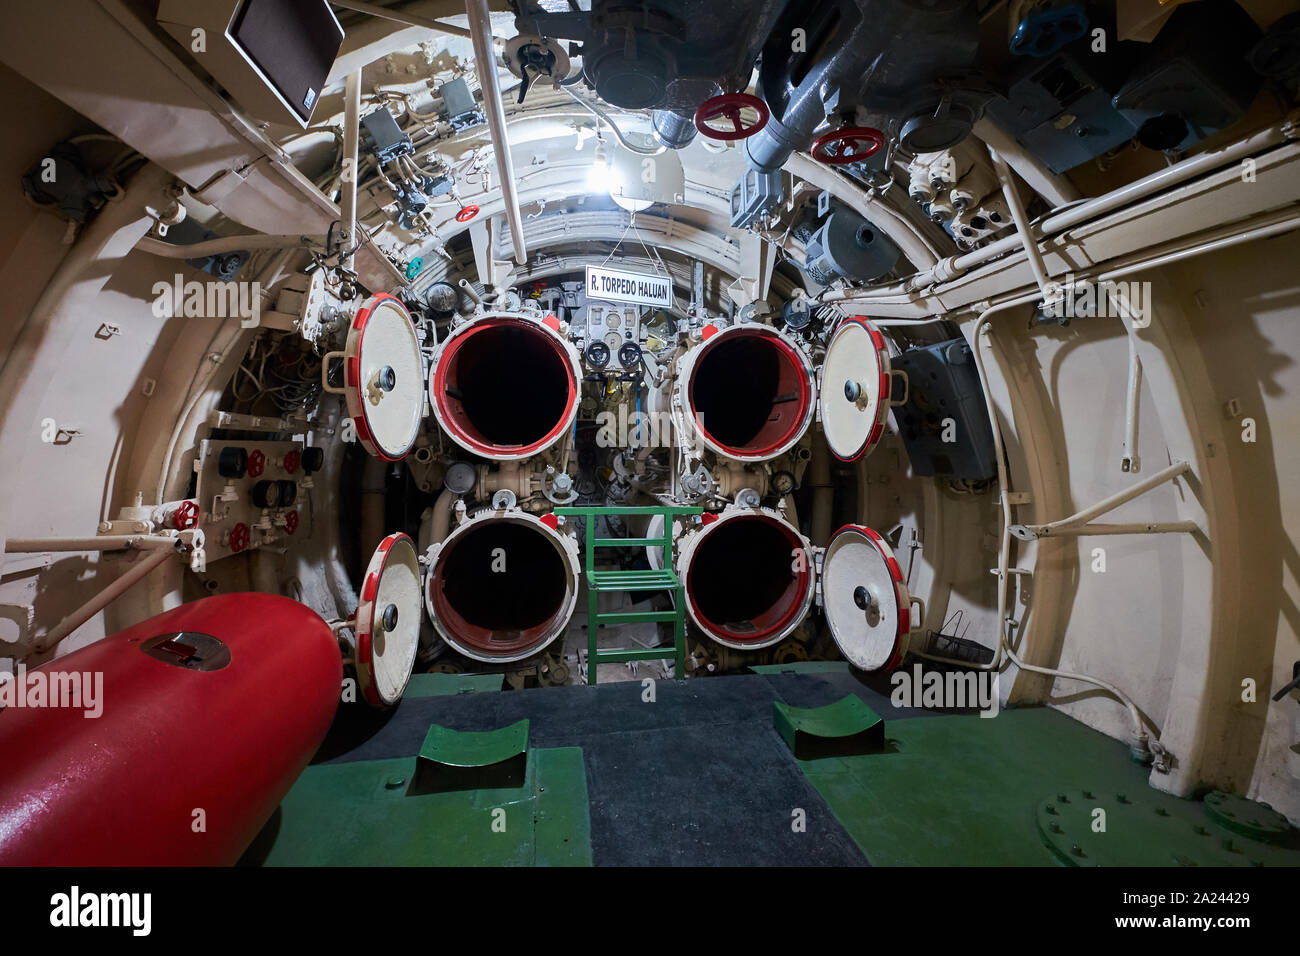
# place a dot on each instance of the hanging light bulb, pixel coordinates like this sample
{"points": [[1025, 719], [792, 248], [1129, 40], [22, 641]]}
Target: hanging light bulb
{"points": [[599, 177]]}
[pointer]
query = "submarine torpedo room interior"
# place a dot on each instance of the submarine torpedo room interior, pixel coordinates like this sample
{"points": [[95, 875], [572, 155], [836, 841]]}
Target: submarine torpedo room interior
{"points": [[594, 432]]}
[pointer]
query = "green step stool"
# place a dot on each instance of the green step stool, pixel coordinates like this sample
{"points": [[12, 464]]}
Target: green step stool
{"points": [[647, 580], [846, 728]]}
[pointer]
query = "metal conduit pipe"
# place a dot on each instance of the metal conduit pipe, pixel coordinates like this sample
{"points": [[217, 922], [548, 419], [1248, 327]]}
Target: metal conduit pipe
{"points": [[1004, 649], [216, 247], [1173, 175], [480, 24], [1259, 227], [439, 519], [1051, 291], [102, 600], [948, 269], [106, 542], [351, 141]]}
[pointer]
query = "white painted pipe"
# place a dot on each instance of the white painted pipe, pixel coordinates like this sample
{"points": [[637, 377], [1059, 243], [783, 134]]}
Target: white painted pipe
{"points": [[1050, 290], [1137, 527], [1169, 176], [351, 141], [480, 26], [1114, 501], [102, 600], [107, 542], [216, 247]]}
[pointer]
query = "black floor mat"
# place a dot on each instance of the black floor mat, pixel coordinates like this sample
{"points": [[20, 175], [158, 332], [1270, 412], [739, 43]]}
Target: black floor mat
{"points": [[697, 777]]}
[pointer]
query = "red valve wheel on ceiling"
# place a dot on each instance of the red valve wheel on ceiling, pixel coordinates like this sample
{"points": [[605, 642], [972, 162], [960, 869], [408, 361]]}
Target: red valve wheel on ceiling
{"points": [[467, 213], [186, 516], [291, 461], [848, 144], [729, 106], [239, 536], [256, 462], [291, 522]]}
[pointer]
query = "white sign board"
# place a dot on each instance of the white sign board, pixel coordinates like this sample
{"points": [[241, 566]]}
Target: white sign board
{"points": [[619, 286]]}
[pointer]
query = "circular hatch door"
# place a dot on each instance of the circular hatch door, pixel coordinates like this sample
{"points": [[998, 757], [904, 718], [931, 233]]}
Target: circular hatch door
{"points": [[388, 621], [853, 389], [867, 604], [385, 378]]}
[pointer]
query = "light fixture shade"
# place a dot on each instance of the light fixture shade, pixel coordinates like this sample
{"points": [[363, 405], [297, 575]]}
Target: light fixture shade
{"points": [[631, 205], [638, 181]]}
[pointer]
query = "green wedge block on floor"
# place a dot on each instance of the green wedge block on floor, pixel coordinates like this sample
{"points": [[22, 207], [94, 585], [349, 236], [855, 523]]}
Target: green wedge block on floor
{"points": [[845, 728], [362, 814], [471, 760]]}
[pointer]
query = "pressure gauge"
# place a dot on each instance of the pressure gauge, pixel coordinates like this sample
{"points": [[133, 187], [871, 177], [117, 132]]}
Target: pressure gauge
{"points": [[783, 482], [613, 340], [613, 320]]}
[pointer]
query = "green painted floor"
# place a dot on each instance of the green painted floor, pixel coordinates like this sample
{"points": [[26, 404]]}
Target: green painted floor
{"points": [[947, 790], [359, 814], [444, 685], [970, 791]]}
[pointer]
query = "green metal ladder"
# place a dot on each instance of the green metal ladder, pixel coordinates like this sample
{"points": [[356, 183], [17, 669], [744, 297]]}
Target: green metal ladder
{"points": [[647, 580]]}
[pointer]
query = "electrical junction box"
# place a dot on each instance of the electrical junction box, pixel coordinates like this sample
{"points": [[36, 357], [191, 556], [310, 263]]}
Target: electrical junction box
{"points": [[1195, 79], [1060, 109], [944, 425], [384, 137], [272, 56]]}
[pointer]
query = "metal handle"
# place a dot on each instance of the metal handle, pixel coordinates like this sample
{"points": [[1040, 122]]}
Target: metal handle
{"points": [[325, 373], [907, 387]]}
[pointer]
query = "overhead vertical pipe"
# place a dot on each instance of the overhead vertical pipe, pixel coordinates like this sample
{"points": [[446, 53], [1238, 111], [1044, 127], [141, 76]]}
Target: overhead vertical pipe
{"points": [[480, 28], [1032, 252], [351, 135]]}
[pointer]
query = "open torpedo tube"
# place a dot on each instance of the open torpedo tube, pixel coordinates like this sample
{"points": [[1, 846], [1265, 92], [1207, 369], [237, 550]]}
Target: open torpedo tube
{"points": [[503, 584]]}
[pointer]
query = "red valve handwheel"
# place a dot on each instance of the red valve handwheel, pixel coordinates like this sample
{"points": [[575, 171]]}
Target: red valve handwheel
{"points": [[256, 462], [239, 536], [729, 106], [466, 214], [291, 461], [291, 522], [854, 143], [186, 516]]}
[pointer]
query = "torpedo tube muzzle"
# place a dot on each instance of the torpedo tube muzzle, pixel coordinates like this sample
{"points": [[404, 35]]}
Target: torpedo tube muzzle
{"points": [[749, 577], [502, 585], [505, 386], [748, 392]]}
